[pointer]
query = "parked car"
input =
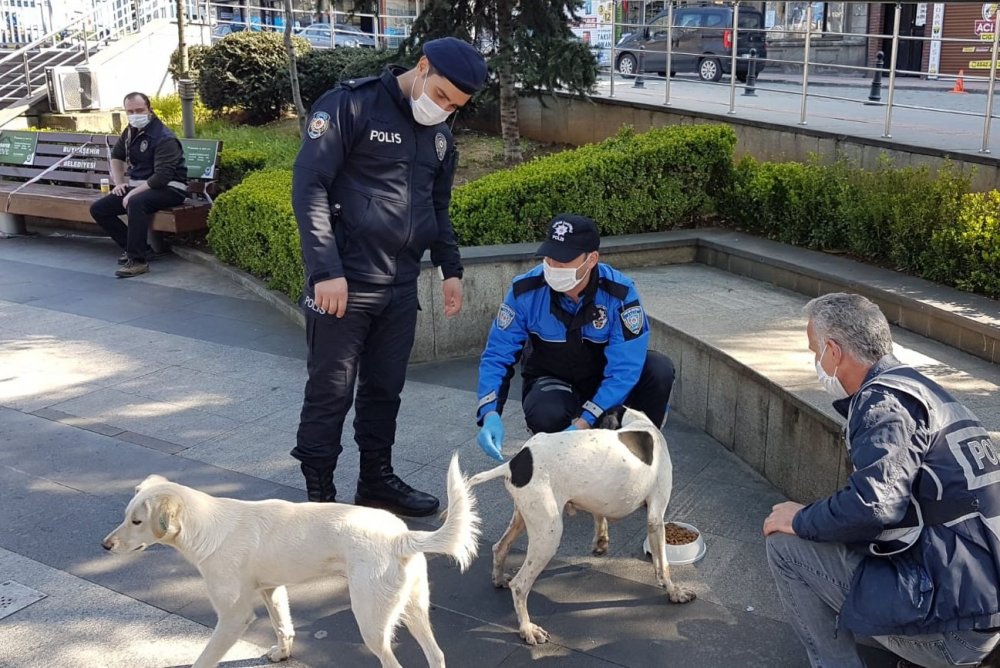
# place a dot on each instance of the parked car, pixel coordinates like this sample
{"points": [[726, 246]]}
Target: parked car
{"points": [[702, 42], [319, 35], [224, 29]]}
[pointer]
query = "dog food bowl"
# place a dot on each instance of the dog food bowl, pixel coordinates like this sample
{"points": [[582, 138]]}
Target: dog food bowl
{"points": [[680, 555]]}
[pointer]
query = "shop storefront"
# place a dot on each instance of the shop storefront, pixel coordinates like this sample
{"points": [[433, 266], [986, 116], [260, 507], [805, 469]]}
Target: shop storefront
{"points": [[973, 22], [837, 34]]}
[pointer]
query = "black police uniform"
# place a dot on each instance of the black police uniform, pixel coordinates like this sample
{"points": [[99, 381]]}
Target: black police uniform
{"points": [[154, 155], [371, 190]]}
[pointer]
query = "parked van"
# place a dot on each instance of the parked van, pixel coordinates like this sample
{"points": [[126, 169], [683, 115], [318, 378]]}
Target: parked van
{"points": [[702, 43]]}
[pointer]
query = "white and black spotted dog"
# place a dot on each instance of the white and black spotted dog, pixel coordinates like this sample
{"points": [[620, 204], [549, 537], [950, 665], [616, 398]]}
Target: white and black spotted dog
{"points": [[607, 473]]}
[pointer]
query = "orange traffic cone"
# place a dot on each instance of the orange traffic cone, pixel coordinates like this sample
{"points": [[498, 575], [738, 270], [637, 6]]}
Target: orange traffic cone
{"points": [[959, 83]]}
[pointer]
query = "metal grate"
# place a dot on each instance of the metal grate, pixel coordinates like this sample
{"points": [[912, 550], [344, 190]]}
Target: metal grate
{"points": [[14, 597]]}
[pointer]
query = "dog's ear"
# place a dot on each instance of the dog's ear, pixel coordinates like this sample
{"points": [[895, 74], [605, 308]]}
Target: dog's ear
{"points": [[150, 480], [165, 515]]}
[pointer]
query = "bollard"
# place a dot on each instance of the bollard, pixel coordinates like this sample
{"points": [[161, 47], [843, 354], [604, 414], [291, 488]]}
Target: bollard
{"points": [[875, 96], [750, 88], [186, 91], [639, 83]]}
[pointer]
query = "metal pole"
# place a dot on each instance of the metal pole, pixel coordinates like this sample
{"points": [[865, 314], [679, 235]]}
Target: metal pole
{"points": [[670, 49], [732, 65], [989, 94], [27, 74], [614, 42], [892, 72], [186, 91], [805, 64]]}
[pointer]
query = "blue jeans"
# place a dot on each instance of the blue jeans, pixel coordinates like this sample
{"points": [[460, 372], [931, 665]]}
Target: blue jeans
{"points": [[813, 580]]}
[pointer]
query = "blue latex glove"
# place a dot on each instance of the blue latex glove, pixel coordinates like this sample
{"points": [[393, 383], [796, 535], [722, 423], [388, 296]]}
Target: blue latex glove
{"points": [[571, 427], [490, 437]]}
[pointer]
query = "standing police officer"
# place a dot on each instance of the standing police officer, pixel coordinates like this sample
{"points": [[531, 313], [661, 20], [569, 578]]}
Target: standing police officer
{"points": [[588, 342], [371, 189]]}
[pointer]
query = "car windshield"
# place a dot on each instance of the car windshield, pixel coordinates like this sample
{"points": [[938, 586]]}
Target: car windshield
{"points": [[750, 21]]}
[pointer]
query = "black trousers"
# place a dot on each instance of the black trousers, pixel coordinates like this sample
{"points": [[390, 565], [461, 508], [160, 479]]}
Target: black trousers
{"points": [[132, 237], [370, 345], [550, 404]]}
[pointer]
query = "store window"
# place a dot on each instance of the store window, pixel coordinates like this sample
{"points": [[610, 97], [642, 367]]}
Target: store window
{"points": [[788, 19]]}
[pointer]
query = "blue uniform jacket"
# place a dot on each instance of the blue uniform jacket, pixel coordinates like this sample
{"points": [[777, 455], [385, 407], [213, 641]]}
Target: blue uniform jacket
{"points": [[371, 187], [948, 580], [597, 344]]}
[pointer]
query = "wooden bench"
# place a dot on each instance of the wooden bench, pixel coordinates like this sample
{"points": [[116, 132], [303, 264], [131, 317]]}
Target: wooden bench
{"points": [[65, 190]]}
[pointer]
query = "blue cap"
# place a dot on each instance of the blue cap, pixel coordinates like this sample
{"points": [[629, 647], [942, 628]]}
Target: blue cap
{"points": [[458, 62]]}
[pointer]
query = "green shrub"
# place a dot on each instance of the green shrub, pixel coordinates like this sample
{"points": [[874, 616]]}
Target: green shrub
{"points": [[196, 56], [322, 69], [629, 183], [168, 108], [252, 227], [246, 70], [235, 164], [967, 254]]}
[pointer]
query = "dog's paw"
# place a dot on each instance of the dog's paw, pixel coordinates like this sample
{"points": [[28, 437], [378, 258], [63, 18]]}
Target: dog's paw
{"points": [[278, 653], [600, 550], [681, 594], [534, 634], [502, 581]]}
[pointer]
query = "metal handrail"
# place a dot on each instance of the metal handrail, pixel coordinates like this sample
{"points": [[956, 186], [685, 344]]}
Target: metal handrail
{"points": [[802, 36]]}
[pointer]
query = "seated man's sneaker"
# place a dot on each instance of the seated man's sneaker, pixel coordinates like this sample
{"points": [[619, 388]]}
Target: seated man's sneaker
{"points": [[132, 268], [122, 259]]}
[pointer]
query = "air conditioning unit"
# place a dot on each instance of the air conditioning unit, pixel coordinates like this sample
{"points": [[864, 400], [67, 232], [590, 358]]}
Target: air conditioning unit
{"points": [[72, 89]]}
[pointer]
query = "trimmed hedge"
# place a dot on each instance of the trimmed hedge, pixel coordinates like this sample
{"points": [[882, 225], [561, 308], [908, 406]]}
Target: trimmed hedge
{"points": [[196, 56], [629, 183], [243, 71], [322, 69], [907, 219], [253, 227], [236, 164]]}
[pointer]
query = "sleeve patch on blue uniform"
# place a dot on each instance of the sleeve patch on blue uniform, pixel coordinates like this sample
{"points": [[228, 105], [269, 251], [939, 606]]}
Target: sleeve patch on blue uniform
{"points": [[440, 145], [633, 319], [318, 124], [505, 316]]}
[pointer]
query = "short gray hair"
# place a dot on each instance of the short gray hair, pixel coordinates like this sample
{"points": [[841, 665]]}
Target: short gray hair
{"points": [[854, 322]]}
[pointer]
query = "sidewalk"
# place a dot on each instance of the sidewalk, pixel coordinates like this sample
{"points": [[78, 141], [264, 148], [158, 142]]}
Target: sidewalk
{"points": [[104, 381]]}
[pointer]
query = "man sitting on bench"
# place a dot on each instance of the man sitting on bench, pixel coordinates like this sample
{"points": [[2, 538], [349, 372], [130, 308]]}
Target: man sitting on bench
{"points": [[157, 180]]}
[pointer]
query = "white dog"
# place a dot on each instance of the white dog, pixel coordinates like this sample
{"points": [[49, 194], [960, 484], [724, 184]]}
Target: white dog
{"points": [[242, 548], [608, 473]]}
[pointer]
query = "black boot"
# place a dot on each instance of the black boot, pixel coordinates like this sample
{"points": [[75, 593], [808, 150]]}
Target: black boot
{"points": [[319, 483], [379, 487]]}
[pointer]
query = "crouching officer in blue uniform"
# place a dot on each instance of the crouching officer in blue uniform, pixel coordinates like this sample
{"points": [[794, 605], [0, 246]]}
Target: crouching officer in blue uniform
{"points": [[148, 175], [908, 552], [587, 338], [371, 188]]}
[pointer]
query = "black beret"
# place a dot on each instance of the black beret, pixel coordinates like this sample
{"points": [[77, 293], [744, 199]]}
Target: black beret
{"points": [[458, 62]]}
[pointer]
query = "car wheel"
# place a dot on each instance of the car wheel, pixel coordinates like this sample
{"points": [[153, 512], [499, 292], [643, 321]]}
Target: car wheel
{"points": [[627, 65], [710, 69]]}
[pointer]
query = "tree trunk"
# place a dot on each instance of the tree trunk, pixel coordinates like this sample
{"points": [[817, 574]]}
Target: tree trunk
{"points": [[319, 11], [293, 69], [182, 47], [508, 93]]}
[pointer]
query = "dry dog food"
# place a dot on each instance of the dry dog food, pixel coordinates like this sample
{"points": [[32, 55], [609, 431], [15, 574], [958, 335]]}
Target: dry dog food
{"points": [[678, 535]]}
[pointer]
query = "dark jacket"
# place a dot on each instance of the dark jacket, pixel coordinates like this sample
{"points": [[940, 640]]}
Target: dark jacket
{"points": [[153, 154], [371, 187], [925, 475], [598, 344]]}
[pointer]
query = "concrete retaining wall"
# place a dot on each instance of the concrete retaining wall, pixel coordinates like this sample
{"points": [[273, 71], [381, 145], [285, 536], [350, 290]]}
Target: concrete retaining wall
{"points": [[570, 120]]}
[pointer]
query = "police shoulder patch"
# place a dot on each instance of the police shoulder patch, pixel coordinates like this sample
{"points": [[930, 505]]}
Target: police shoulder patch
{"points": [[505, 316], [633, 318], [318, 124], [440, 145]]}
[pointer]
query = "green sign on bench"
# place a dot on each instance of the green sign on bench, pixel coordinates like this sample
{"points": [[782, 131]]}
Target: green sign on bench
{"points": [[17, 148], [200, 156]]}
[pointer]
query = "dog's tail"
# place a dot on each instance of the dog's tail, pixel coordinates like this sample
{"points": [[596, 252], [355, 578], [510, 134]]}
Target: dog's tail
{"points": [[492, 474], [458, 537]]}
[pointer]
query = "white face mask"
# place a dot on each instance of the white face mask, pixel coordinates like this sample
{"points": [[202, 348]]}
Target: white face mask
{"points": [[138, 121], [830, 383], [562, 279], [425, 110]]}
